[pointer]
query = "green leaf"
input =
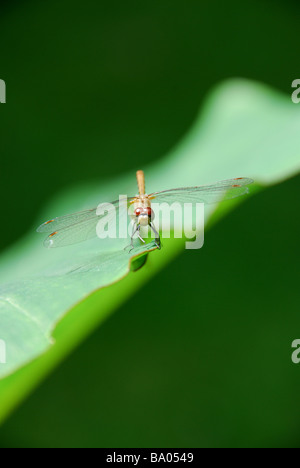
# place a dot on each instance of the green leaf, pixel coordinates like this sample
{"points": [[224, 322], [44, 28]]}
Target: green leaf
{"points": [[245, 129], [31, 307]]}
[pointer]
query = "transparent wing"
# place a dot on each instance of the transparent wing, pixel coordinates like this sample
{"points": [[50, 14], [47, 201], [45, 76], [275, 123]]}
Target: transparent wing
{"points": [[68, 220], [223, 190], [73, 234], [78, 227]]}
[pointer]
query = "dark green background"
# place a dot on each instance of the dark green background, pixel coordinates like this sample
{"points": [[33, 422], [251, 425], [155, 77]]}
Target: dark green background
{"points": [[97, 88]]}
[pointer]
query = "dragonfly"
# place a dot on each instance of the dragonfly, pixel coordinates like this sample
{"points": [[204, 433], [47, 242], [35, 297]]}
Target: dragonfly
{"points": [[81, 226]]}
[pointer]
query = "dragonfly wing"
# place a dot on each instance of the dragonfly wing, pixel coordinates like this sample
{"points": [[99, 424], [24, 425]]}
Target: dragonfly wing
{"points": [[65, 221], [75, 218], [79, 227], [223, 190], [73, 234]]}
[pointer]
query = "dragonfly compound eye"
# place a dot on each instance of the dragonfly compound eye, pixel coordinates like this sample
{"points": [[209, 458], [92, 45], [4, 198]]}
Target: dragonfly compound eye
{"points": [[138, 212], [150, 212]]}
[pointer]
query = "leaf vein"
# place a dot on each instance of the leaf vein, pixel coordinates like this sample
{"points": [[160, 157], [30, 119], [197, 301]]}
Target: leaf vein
{"points": [[24, 312]]}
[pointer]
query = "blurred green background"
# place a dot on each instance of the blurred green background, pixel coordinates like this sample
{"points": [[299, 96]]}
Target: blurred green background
{"points": [[100, 88]]}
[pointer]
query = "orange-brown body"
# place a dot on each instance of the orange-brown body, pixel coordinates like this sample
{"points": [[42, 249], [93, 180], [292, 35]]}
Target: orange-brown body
{"points": [[142, 203]]}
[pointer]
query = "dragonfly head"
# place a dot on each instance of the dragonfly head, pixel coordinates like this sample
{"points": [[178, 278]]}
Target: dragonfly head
{"points": [[144, 215]]}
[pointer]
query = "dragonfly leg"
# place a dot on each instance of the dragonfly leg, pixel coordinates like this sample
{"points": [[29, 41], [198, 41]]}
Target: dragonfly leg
{"points": [[157, 236], [139, 235], [136, 229]]}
